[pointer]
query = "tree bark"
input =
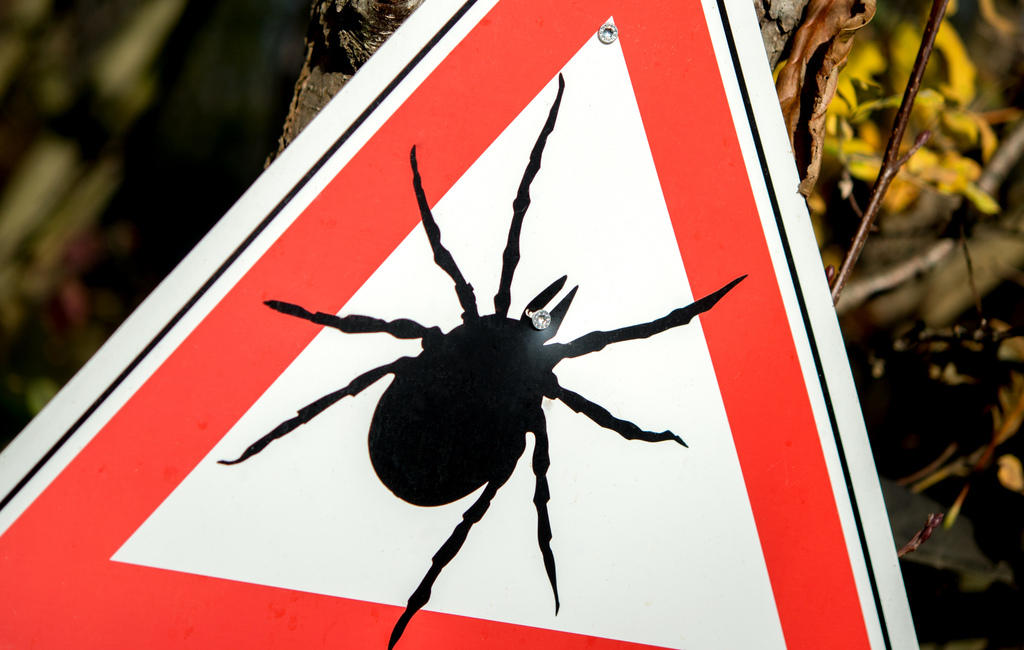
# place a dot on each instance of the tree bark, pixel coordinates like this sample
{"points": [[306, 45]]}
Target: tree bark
{"points": [[342, 35], [778, 20]]}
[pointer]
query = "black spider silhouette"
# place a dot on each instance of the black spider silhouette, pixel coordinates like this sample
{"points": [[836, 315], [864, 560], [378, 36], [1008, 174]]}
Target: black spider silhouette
{"points": [[455, 417]]}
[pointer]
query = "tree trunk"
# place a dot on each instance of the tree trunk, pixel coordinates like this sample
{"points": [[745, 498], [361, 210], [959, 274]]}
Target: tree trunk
{"points": [[778, 20], [342, 35]]}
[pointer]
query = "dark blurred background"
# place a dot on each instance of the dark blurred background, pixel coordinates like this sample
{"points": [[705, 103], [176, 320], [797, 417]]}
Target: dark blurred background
{"points": [[128, 127]]}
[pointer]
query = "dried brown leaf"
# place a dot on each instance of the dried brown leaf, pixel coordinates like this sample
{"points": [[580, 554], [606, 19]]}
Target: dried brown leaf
{"points": [[807, 83]]}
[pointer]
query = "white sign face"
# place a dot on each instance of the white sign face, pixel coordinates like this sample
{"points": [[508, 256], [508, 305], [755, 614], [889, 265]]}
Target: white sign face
{"points": [[653, 190]]}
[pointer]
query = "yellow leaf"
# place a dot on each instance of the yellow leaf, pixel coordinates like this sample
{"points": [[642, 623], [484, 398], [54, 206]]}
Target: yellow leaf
{"points": [[778, 67], [926, 107], [866, 108], [900, 195], [848, 94], [960, 70], [865, 61], [869, 132], [950, 173], [816, 204], [1007, 418], [962, 125], [961, 172], [865, 170], [930, 100], [922, 160], [989, 142], [857, 146], [992, 17], [902, 51], [954, 510], [1012, 348], [1011, 472], [980, 199]]}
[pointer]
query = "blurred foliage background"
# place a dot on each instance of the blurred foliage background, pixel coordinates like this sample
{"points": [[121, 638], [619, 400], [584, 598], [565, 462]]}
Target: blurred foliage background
{"points": [[933, 315], [127, 127]]}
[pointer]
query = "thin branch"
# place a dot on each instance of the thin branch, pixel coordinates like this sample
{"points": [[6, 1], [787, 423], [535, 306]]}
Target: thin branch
{"points": [[958, 467], [921, 139], [891, 160], [970, 272], [1006, 157], [846, 187], [930, 467], [980, 464], [864, 288], [1001, 115], [921, 536], [855, 206]]}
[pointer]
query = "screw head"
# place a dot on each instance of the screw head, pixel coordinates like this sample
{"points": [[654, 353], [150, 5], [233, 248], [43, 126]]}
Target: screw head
{"points": [[541, 319], [608, 33]]}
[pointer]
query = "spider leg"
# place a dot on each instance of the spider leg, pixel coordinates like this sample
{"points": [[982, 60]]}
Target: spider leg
{"points": [[601, 416], [510, 258], [315, 408], [442, 257], [402, 328], [445, 555], [595, 341], [541, 496]]}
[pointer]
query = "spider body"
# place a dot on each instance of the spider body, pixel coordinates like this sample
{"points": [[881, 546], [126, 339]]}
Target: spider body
{"points": [[458, 414], [455, 417]]}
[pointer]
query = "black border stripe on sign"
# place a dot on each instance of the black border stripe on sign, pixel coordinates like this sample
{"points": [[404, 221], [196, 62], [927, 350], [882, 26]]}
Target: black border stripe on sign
{"points": [[738, 69], [236, 253]]}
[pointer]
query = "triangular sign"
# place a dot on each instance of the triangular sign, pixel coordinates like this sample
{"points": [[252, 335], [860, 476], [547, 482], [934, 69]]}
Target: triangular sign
{"points": [[444, 499]]}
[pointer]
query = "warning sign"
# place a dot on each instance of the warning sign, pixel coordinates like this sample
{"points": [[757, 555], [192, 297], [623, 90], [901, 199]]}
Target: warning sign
{"points": [[522, 343]]}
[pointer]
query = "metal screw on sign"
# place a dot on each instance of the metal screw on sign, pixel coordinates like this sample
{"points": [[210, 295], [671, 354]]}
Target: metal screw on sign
{"points": [[608, 33], [541, 319]]}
